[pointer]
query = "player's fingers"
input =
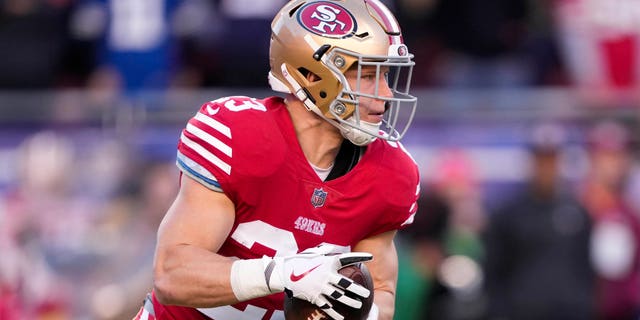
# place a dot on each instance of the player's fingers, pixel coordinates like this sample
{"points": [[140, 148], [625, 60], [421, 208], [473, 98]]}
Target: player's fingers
{"points": [[350, 258], [332, 313], [338, 295], [327, 307], [348, 285]]}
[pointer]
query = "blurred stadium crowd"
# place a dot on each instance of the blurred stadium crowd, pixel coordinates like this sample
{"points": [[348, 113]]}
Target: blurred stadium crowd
{"points": [[527, 137], [157, 44]]}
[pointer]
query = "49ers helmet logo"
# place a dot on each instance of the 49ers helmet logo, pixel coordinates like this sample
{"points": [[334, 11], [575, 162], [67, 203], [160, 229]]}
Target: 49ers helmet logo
{"points": [[327, 19]]}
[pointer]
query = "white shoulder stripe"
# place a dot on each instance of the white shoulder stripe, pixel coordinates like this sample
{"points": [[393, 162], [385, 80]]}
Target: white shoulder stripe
{"points": [[213, 141], [206, 154], [407, 152], [213, 123], [409, 220]]}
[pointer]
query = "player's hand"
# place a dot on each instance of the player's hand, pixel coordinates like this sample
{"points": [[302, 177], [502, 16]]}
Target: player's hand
{"points": [[313, 275]]}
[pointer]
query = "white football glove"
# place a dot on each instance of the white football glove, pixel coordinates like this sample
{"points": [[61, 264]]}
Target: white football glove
{"points": [[313, 275]]}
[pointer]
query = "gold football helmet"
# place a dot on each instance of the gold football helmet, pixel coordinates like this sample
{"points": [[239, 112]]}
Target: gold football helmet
{"points": [[327, 38]]}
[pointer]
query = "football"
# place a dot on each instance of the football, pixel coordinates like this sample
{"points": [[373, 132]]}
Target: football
{"points": [[298, 309]]}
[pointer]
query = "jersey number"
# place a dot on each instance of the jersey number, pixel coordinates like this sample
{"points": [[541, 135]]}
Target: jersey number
{"points": [[281, 241], [236, 104]]}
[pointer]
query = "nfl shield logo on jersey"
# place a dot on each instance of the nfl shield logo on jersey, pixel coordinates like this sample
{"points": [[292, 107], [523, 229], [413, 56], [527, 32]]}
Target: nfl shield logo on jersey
{"points": [[318, 197]]}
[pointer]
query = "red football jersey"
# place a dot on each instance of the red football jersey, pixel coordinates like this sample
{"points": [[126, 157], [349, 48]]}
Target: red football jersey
{"points": [[248, 149]]}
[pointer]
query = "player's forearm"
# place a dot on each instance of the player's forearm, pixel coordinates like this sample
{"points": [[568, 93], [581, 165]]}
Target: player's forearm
{"points": [[190, 276], [385, 301]]}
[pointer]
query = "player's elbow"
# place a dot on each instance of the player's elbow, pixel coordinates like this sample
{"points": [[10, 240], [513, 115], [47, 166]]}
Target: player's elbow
{"points": [[163, 289], [166, 275], [164, 285]]}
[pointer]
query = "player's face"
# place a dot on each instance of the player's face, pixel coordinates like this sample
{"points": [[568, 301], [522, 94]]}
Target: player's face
{"points": [[371, 109]]}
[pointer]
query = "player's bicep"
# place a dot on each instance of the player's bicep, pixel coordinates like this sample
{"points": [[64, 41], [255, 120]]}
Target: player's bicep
{"points": [[193, 229], [198, 216]]}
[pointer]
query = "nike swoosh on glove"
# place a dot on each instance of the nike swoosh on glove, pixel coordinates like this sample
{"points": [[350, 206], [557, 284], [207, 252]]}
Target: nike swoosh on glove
{"points": [[313, 275]]}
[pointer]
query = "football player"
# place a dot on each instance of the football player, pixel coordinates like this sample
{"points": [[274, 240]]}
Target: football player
{"points": [[277, 194]]}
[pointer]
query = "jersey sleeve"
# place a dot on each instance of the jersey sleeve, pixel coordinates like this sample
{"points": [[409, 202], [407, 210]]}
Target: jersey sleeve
{"points": [[206, 145]]}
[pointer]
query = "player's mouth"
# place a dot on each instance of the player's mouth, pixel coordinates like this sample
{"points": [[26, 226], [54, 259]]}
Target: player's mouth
{"points": [[375, 117]]}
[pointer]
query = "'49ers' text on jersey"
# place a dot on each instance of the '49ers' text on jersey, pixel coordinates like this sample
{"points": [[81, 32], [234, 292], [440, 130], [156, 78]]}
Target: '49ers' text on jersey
{"points": [[247, 148]]}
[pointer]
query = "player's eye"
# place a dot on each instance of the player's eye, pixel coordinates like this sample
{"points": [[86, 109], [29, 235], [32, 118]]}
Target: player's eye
{"points": [[369, 76]]}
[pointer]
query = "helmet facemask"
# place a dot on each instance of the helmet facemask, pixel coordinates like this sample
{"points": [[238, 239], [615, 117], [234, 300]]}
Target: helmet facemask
{"points": [[399, 107]]}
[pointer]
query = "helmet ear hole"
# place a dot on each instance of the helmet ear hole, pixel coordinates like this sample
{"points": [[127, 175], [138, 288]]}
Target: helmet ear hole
{"points": [[310, 76]]}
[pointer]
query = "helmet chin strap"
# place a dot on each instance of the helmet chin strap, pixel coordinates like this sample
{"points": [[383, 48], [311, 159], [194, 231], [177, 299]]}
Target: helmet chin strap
{"points": [[356, 136]]}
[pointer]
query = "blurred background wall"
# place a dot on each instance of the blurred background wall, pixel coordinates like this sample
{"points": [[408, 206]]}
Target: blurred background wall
{"points": [[527, 136]]}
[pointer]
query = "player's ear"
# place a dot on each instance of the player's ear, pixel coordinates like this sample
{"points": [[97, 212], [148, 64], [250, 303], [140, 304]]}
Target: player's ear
{"points": [[312, 77]]}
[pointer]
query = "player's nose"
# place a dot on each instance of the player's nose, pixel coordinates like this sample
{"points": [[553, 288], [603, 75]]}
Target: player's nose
{"points": [[384, 90]]}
